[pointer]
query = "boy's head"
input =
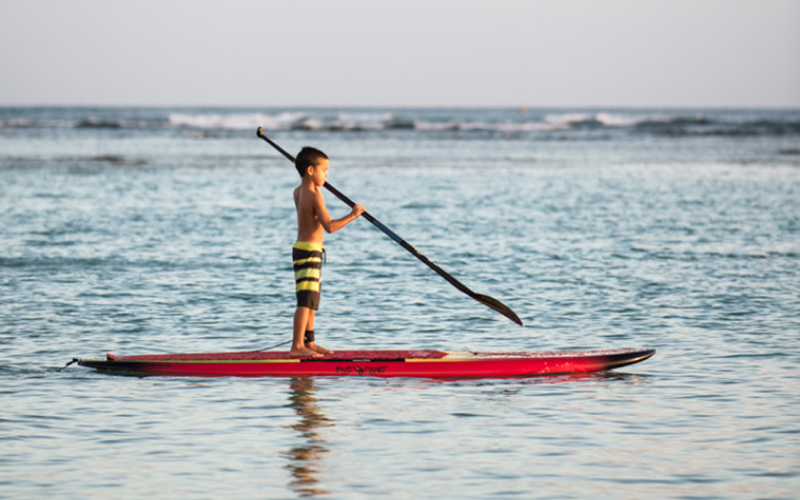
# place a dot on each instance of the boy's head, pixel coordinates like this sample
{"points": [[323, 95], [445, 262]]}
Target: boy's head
{"points": [[308, 157]]}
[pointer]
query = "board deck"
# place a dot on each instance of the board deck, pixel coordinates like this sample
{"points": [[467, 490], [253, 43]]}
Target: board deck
{"points": [[418, 363]]}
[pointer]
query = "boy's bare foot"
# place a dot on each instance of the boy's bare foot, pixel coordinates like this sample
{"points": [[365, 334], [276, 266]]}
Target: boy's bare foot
{"points": [[303, 352], [318, 348]]}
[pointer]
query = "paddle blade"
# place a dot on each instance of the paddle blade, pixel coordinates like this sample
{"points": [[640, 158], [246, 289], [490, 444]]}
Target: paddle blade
{"points": [[498, 306]]}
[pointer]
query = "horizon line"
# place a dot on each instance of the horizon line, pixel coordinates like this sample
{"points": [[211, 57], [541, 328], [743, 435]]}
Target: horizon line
{"points": [[520, 106]]}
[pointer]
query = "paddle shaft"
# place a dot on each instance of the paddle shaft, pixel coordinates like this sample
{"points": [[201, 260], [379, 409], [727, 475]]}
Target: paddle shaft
{"points": [[484, 299]]}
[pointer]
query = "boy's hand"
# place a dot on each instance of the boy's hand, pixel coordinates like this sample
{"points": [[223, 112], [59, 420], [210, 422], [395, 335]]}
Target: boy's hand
{"points": [[358, 209]]}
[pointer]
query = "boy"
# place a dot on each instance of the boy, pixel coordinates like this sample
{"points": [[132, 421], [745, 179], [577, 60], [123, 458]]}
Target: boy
{"points": [[312, 221]]}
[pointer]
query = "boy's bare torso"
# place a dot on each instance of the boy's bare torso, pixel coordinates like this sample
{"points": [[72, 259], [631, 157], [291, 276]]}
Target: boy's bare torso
{"points": [[313, 219], [307, 200]]}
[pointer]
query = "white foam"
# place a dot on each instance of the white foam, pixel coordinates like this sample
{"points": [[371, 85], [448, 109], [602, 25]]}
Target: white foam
{"points": [[365, 119], [236, 121], [610, 120], [606, 119], [616, 120], [435, 126], [566, 119], [532, 127]]}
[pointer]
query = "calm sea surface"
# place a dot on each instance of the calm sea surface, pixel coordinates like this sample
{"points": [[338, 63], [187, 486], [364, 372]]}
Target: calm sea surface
{"points": [[169, 230]]}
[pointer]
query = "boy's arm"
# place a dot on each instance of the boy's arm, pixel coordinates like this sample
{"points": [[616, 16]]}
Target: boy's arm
{"points": [[324, 218]]}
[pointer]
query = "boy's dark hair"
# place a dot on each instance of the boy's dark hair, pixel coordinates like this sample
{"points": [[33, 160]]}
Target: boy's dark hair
{"points": [[307, 157]]}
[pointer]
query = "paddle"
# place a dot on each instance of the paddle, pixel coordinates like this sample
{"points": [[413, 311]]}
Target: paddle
{"points": [[483, 299]]}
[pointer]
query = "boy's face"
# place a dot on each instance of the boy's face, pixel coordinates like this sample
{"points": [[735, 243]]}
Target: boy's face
{"points": [[319, 173]]}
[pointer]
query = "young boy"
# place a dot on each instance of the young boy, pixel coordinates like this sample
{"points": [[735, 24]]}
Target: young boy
{"points": [[312, 220]]}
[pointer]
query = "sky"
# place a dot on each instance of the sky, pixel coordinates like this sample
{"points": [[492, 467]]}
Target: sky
{"points": [[536, 53]]}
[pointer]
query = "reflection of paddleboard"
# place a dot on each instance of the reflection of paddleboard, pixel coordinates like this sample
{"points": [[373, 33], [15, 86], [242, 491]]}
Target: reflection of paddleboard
{"points": [[426, 364]]}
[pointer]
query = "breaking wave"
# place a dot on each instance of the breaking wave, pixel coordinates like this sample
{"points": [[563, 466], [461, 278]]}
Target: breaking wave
{"points": [[499, 121]]}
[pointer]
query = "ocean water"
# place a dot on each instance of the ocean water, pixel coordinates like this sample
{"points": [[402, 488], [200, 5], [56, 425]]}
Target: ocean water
{"points": [[169, 230]]}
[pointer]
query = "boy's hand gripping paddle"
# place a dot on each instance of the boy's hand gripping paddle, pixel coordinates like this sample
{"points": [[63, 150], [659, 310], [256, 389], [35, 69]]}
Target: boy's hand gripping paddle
{"points": [[483, 299]]}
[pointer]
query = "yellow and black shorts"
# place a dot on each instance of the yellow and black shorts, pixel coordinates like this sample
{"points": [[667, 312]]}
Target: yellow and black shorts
{"points": [[307, 259]]}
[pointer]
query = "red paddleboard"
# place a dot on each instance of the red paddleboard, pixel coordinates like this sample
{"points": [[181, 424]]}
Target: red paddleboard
{"points": [[422, 363]]}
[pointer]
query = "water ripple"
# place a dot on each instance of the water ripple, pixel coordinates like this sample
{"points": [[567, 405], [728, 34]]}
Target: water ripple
{"points": [[699, 261]]}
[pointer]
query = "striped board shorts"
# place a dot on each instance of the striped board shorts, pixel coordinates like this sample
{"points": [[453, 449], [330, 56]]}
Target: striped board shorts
{"points": [[307, 259]]}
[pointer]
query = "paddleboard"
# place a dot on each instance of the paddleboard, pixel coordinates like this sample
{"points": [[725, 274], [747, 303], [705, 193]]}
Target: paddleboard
{"points": [[421, 363]]}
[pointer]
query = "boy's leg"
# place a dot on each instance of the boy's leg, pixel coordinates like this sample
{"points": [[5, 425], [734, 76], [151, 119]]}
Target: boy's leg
{"points": [[310, 322], [310, 342], [301, 321]]}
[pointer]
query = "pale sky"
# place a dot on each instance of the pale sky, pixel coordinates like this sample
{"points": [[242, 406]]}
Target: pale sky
{"points": [[550, 53]]}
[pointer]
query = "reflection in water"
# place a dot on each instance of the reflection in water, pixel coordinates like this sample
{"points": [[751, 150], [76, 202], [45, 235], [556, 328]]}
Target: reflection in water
{"points": [[304, 460]]}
